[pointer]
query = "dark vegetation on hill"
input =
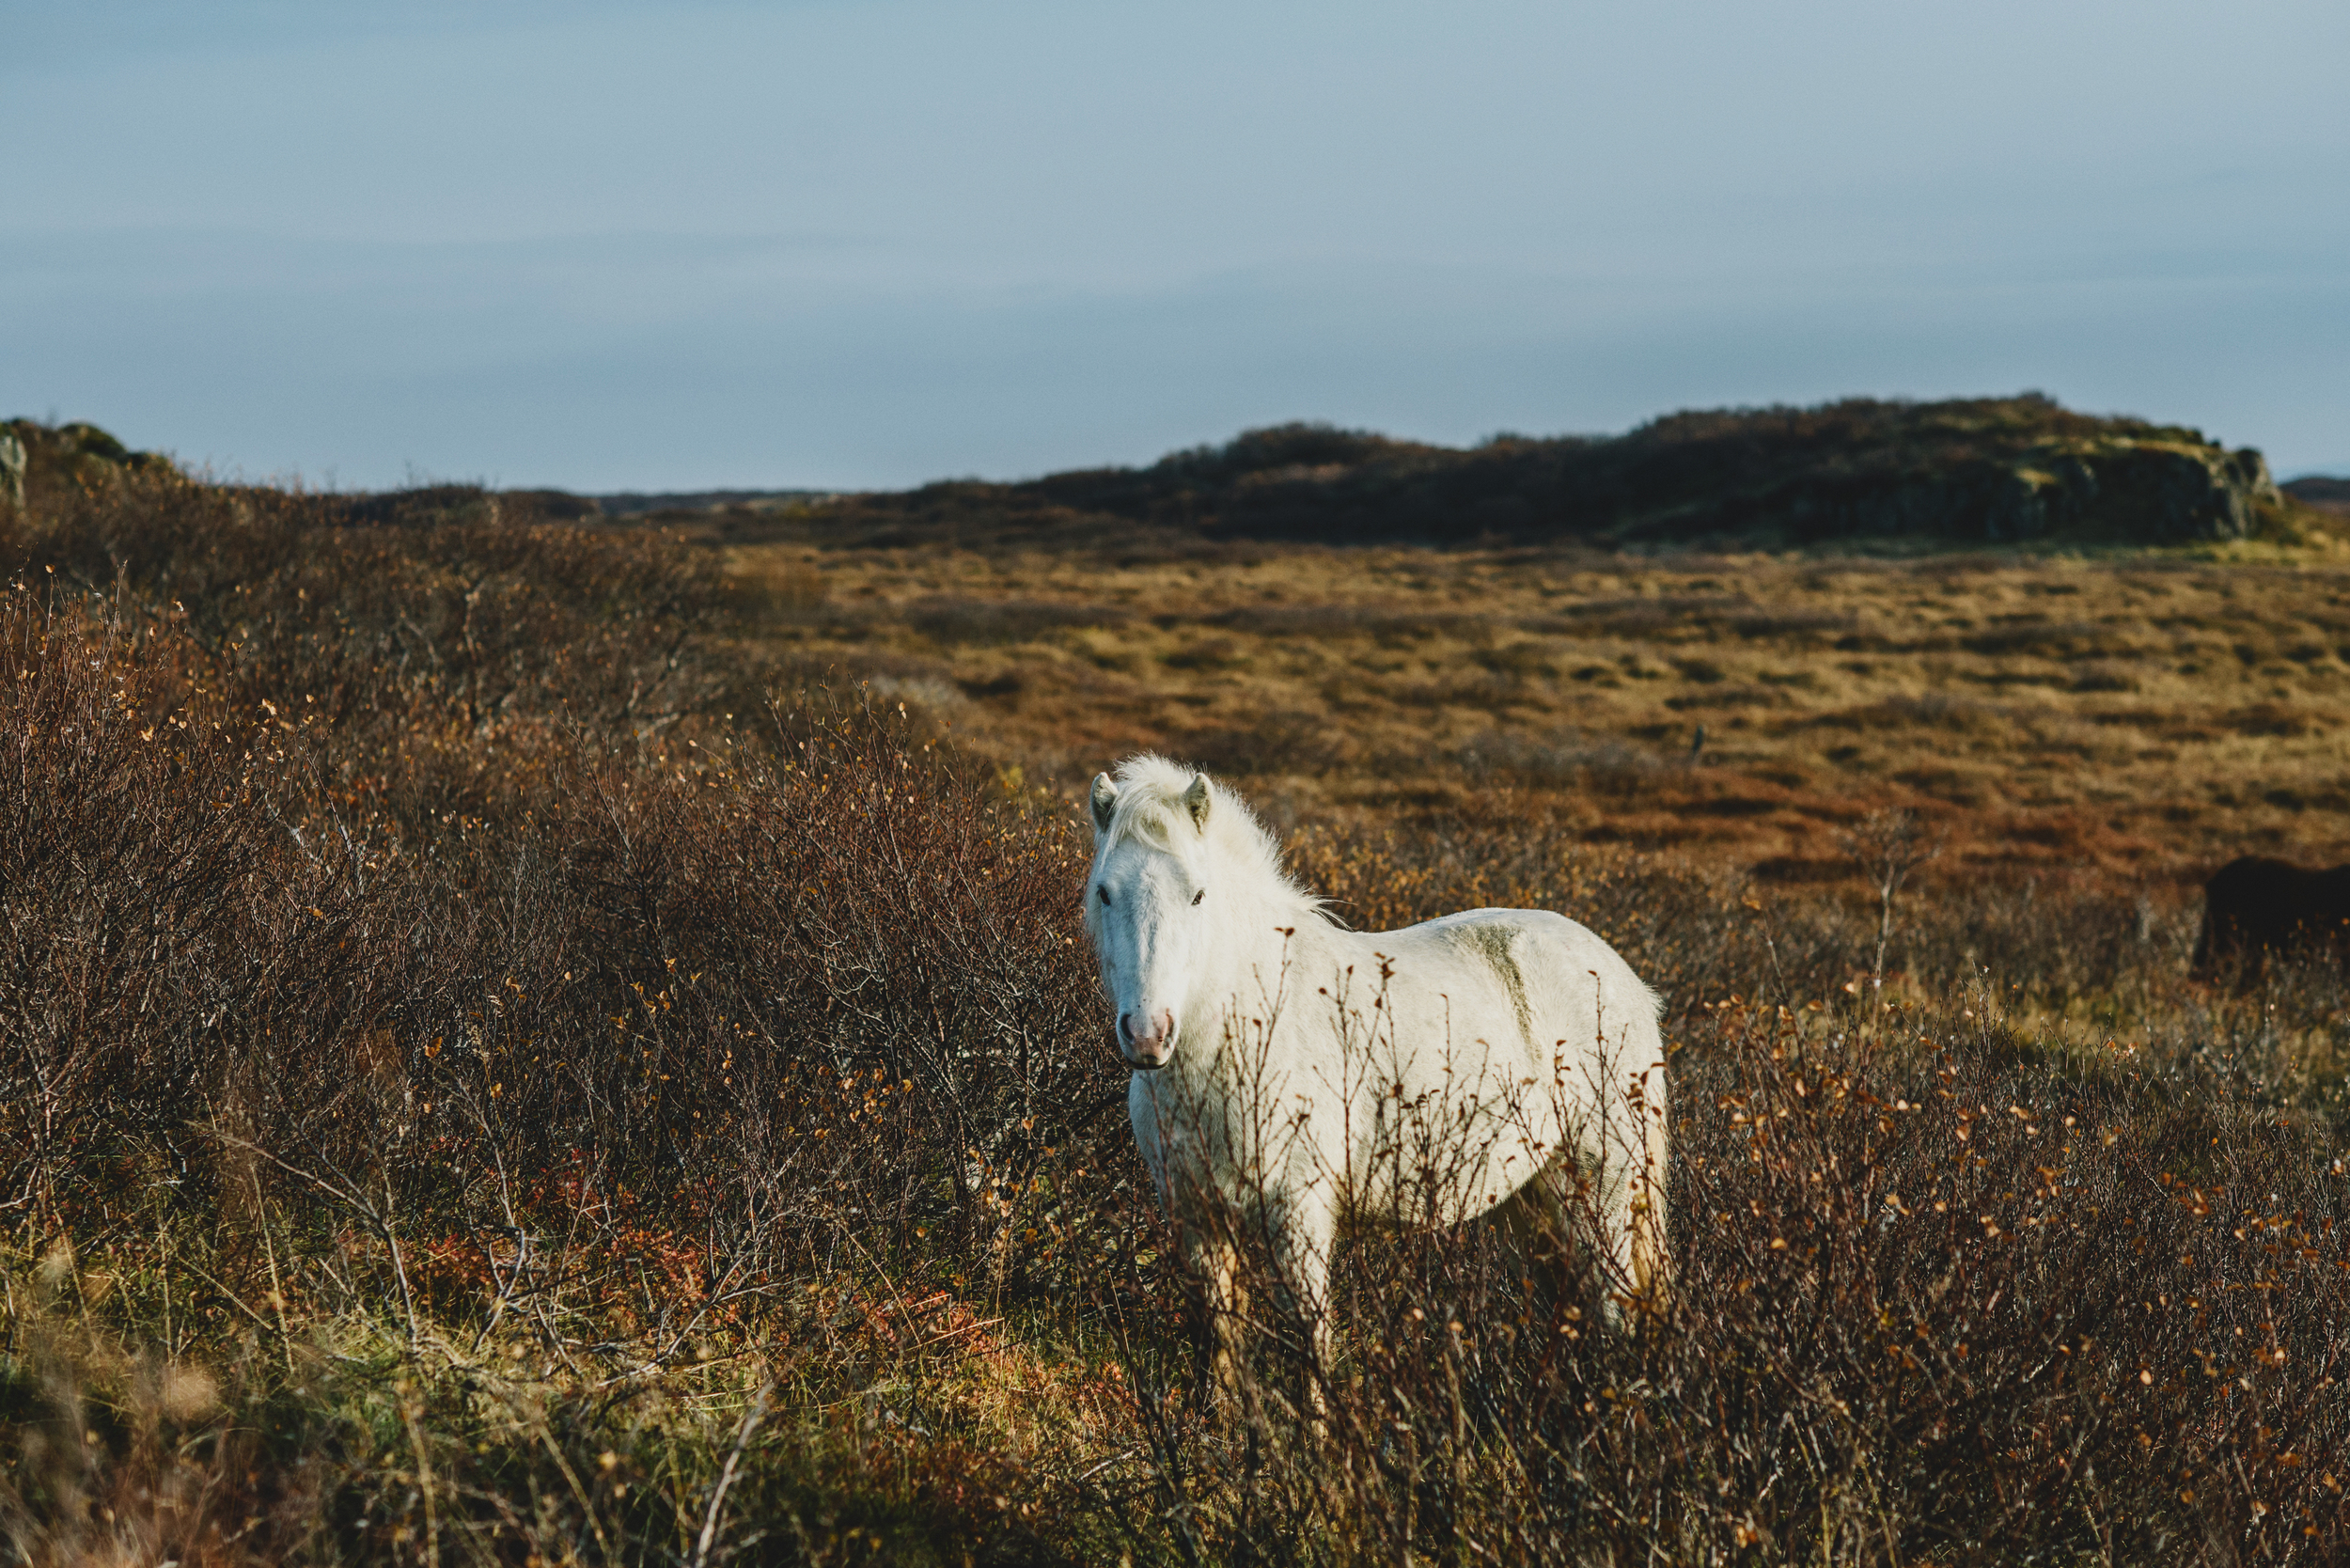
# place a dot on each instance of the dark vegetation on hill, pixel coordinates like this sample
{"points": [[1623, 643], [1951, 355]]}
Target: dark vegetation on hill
{"points": [[463, 1098], [638, 503], [2327, 494], [2010, 470]]}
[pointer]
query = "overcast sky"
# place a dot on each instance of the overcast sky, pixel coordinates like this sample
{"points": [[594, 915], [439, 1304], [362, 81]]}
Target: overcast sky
{"points": [[870, 242]]}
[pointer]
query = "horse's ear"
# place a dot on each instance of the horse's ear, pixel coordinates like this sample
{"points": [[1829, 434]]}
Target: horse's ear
{"points": [[1104, 801], [1196, 801]]}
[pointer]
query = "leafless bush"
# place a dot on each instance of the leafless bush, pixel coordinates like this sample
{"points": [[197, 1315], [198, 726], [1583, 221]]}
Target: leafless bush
{"points": [[1933, 1302], [1887, 846], [684, 1027]]}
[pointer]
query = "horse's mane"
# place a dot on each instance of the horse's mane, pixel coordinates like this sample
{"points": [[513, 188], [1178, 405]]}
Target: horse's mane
{"points": [[1150, 804]]}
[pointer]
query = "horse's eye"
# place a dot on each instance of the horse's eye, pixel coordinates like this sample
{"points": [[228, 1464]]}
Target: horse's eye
{"points": [[1201, 894], [1104, 894]]}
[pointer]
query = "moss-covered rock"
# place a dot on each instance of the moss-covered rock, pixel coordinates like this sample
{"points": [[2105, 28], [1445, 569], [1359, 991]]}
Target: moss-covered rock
{"points": [[84, 440], [2158, 492], [74, 453], [11, 468]]}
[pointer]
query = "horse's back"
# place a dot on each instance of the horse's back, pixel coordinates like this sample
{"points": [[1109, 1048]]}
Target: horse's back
{"points": [[1527, 982], [1540, 949]]}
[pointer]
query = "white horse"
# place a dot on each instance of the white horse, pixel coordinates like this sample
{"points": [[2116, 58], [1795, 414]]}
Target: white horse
{"points": [[1294, 1078]]}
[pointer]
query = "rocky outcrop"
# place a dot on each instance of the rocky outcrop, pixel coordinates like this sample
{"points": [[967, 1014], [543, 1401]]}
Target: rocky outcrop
{"points": [[11, 468], [2184, 493], [2150, 492], [73, 453]]}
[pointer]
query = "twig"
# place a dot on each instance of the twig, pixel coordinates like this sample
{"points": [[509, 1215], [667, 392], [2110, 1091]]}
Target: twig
{"points": [[424, 1481], [351, 1194], [751, 1418], [571, 1479], [276, 1286]]}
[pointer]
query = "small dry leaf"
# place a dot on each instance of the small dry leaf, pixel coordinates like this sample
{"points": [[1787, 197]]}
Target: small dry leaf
{"points": [[188, 1393]]}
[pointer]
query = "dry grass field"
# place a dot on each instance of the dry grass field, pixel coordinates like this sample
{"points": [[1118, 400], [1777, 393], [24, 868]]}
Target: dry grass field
{"points": [[503, 1061], [2136, 718]]}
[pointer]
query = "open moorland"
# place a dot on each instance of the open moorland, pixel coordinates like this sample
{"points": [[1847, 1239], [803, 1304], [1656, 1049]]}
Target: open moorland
{"points": [[532, 1039], [2138, 718]]}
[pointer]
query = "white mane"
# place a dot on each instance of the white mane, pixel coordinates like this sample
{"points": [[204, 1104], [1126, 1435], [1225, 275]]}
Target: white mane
{"points": [[1150, 804]]}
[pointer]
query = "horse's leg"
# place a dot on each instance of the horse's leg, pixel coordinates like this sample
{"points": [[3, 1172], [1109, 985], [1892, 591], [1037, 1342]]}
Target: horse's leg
{"points": [[1220, 1305], [1534, 1224], [1610, 1219], [1303, 1243], [1651, 1259], [1228, 1317], [1595, 1201], [1624, 1205]]}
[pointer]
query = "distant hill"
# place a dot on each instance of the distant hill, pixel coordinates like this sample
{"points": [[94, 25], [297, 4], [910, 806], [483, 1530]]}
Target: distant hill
{"points": [[2319, 491], [639, 503], [1976, 471], [1973, 471], [85, 454]]}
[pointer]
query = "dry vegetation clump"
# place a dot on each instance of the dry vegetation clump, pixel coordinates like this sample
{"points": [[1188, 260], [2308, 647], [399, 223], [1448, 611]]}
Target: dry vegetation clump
{"points": [[374, 1009], [462, 1099], [575, 1082]]}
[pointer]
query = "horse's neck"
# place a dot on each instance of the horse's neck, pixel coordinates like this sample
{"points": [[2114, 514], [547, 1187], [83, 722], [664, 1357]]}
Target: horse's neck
{"points": [[1266, 951], [1230, 1091]]}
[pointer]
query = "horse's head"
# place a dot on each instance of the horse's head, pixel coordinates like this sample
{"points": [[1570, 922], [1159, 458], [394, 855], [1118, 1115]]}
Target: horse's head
{"points": [[1149, 907]]}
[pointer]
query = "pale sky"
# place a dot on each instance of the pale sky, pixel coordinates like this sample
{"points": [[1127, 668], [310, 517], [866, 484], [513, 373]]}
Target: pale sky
{"points": [[875, 242]]}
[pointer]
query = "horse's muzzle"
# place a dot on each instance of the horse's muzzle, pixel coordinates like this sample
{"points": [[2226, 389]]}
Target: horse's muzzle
{"points": [[1147, 1052]]}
